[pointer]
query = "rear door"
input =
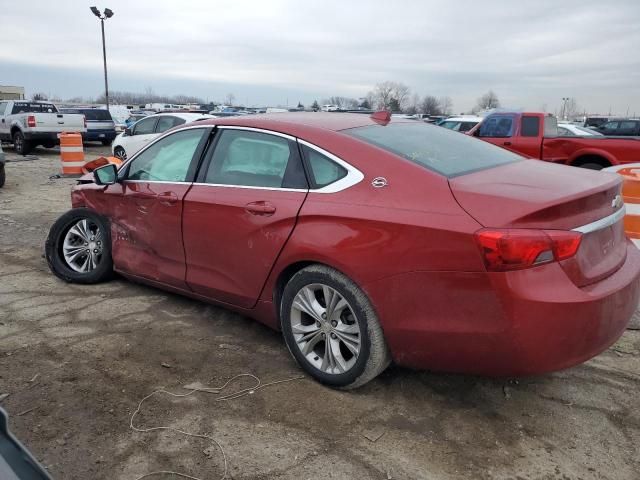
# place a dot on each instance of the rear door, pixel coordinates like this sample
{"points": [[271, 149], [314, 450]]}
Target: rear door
{"points": [[240, 213], [146, 207]]}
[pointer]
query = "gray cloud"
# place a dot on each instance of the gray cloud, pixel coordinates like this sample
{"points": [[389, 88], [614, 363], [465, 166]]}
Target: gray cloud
{"points": [[531, 53]]}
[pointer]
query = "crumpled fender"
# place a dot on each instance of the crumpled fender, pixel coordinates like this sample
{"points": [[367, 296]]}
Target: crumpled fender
{"points": [[100, 162]]}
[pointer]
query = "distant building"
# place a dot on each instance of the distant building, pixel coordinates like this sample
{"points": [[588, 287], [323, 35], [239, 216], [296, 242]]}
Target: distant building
{"points": [[11, 93]]}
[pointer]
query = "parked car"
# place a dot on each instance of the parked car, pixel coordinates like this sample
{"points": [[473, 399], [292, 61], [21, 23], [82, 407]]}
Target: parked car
{"points": [[535, 135], [620, 128], [460, 124], [100, 124], [566, 129], [366, 240], [29, 124], [3, 175], [143, 131]]}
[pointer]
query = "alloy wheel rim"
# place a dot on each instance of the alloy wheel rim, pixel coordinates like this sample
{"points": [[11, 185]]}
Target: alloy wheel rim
{"points": [[18, 142], [120, 153], [325, 329], [82, 247]]}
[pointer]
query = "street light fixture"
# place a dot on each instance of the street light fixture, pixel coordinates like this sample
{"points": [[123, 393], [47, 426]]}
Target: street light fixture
{"points": [[108, 13], [564, 107]]}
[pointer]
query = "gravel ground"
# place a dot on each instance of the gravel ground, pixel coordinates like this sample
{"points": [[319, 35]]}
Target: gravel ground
{"points": [[76, 360]]}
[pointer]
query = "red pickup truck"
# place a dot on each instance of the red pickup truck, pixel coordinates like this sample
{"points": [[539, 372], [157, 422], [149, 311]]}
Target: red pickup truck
{"points": [[535, 135]]}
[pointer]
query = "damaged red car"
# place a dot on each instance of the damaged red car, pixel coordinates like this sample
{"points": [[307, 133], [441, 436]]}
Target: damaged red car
{"points": [[366, 240]]}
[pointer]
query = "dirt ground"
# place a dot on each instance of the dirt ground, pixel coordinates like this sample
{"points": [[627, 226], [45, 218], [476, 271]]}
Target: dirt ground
{"points": [[76, 360]]}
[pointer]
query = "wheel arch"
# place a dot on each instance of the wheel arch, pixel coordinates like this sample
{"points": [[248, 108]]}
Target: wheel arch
{"points": [[592, 155]]}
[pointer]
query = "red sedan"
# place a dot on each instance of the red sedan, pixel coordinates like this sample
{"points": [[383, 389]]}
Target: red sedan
{"points": [[366, 240]]}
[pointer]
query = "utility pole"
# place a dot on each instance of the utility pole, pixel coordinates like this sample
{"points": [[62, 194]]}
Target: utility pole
{"points": [[108, 13]]}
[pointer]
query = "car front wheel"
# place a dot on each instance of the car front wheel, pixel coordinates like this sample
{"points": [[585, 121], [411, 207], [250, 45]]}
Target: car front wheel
{"points": [[119, 152], [78, 248], [331, 328]]}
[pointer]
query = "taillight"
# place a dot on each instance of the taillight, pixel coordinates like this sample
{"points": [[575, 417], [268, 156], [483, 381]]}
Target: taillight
{"points": [[31, 121], [85, 121], [515, 249]]}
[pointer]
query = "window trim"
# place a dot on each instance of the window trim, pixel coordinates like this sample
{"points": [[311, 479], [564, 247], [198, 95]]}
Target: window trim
{"points": [[123, 171]]}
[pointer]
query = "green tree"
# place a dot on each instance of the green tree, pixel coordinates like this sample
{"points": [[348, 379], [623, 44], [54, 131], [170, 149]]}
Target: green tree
{"points": [[394, 104], [315, 107], [365, 104]]}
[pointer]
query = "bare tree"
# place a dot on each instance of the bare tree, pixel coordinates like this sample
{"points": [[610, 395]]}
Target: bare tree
{"points": [[446, 105], [342, 102], [487, 101], [229, 99], [430, 105], [390, 95], [413, 105], [571, 109], [37, 97]]}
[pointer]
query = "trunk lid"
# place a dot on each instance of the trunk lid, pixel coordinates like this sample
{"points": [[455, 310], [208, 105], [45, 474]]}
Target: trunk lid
{"points": [[539, 195]]}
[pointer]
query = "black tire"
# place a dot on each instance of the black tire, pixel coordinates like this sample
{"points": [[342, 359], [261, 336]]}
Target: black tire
{"points": [[21, 146], [373, 356], [120, 153], [3, 175], [54, 248], [107, 143], [591, 166]]}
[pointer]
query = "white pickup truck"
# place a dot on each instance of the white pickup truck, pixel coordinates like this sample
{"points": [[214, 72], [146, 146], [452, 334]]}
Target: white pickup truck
{"points": [[29, 124]]}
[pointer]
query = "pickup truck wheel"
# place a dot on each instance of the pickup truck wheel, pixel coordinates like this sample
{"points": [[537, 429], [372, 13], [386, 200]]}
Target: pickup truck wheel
{"points": [[78, 248], [3, 175], [22, 146], [591, 166]]}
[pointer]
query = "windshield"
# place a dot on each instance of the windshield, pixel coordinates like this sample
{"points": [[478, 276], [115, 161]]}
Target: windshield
{"points": [[438, 149]]}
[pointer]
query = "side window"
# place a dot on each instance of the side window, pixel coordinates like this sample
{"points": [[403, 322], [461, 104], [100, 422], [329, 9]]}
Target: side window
{"points": [[145, 126], [530, 126], [165, 123], [254, 159], [323, 171], [167, 160], [500, 126], [3, 107], [627, 126], [610, 126]]}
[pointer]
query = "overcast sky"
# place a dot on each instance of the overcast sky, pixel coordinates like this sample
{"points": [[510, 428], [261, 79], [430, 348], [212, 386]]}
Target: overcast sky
{"points": [[268, 52]]}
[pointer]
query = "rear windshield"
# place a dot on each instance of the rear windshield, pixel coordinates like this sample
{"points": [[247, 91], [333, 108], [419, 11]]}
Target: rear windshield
{"points": [[29, 107], [443, 151], [96, 114]]}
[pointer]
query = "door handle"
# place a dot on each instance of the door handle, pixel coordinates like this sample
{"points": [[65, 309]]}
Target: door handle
{"points": [[143, 195], [260, 208], [508, 144], [168, 198]]}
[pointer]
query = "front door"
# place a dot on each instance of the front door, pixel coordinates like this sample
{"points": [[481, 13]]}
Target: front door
{"points": [[240, 213], [146, 213]]}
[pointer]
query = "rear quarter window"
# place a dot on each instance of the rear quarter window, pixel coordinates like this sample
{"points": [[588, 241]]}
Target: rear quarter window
{"points": [[438, 149]]}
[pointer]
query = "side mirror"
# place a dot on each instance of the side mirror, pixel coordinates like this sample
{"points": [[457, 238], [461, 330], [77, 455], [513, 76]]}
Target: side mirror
{"points": [[106, 175], [128, 132]]}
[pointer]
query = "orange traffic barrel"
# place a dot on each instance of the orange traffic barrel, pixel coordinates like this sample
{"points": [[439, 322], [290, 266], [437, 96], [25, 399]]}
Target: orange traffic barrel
{"points": [[91, 165], [71, 153], [631, 194]]}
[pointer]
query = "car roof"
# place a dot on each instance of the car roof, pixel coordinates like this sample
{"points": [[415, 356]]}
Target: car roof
{"points": [[185, 116], [298, 121]]}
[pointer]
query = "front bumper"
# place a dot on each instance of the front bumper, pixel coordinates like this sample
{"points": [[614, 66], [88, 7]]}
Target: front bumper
{"points": [[504, 324]]}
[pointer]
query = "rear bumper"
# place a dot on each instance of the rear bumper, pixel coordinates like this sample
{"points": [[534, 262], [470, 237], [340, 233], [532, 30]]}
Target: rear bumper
{"points": [[99, 135], [504, 324]]}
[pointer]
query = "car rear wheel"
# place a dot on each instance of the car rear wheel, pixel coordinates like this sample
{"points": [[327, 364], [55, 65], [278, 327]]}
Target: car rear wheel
{"points": [[78, 248], [21, 146], [120, 153], [331, 328]]}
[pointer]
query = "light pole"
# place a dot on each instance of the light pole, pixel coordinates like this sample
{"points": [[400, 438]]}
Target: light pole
{"points": [[108, 13], [564, 107]]}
